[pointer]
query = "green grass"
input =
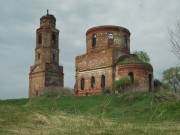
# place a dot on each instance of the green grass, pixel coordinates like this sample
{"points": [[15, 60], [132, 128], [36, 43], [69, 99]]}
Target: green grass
{"points": [[126, 114]]}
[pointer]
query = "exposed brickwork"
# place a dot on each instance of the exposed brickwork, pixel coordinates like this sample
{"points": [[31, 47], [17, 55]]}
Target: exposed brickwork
{"points": [[106, 46], [141, 74], [97, 73], [46, 70]]}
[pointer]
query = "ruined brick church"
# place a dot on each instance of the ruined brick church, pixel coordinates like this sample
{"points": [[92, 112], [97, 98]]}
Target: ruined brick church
{"points": [[108, 59], [46, 71]]}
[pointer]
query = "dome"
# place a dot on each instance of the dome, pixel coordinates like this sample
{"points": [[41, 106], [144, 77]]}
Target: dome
{"points": [[107, 28], [48, 16], [47, 21]]}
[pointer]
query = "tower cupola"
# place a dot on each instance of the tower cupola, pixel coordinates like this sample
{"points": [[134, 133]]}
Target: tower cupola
{"points": [[48, 21]]}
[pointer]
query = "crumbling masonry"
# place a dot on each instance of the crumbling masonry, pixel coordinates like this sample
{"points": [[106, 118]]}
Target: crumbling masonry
{"points": [[108, 59], [46, 71]]}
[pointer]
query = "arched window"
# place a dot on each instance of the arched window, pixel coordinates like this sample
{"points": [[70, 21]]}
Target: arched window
{"points": [[82, 83], [110, 38], [39, 55], [103, 82], [53, 38], [131, 76], [126, 42], [37, 93], [92, 82], [53, 56], [150, 82], [93, 40], [40, 38]]}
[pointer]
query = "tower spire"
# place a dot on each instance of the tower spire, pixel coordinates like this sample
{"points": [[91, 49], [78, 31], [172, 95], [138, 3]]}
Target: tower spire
{"points": [[47, 12]]}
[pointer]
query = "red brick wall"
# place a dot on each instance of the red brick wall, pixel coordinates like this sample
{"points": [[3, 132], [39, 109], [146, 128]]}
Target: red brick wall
{"points": [[141, 74], [119, 35], [107, 72], [101, 60], [94, 60], [94, 64], [36, 84]]}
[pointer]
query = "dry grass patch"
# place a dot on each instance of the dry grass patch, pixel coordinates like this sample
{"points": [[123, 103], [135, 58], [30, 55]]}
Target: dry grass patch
{"points": [[61, 123]]}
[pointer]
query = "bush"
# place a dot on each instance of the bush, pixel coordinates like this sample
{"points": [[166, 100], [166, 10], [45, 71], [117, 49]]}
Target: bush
{"points": [[121, 84], [106, 90], [157, 85]]}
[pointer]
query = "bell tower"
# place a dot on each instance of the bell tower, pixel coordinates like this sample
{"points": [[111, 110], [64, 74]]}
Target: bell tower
{"points": [[46, 70]]}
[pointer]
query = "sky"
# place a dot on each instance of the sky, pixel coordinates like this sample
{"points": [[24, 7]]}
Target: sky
{"points": [[147, 20]]}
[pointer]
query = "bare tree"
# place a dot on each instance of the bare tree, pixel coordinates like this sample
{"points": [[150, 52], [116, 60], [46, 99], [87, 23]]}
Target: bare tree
{"points": [[175, 39]]}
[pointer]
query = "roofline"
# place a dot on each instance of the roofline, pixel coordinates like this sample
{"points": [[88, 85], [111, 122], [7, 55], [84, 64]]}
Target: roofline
{"points": [[48, 16], [118, 28]]}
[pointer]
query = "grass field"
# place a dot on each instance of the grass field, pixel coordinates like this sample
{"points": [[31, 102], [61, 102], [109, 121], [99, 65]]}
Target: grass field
{"points": [[125, 114]]}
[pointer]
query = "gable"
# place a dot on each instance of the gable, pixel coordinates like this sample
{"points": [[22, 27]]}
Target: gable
{"points": [[37, 68]]}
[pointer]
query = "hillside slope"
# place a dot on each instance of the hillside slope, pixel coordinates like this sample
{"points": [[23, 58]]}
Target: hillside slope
{"points": [[126, 114]]}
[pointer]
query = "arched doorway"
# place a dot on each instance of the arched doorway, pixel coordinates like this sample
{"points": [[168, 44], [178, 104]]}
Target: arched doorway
{"points": [[131, 76]]}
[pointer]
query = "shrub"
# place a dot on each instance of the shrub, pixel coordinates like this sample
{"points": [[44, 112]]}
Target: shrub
{"points": [[157, 85], [106, 90], [121, 84]]}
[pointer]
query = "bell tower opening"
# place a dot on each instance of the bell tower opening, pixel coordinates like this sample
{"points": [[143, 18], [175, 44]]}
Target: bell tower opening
{"points": [[53, 56], [39, 55], [40, 38], [53, 38]]}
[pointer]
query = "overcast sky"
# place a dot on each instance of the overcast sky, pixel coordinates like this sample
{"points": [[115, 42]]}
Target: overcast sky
{"points": [[147, 20]]}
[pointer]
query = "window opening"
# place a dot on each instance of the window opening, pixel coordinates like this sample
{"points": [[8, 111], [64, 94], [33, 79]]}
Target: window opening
{"points": [[92, 82], [40, 38], [131, 75], [82, 83], [53, 56], [102, 81], [126, 42], [39, 55], [37, 93], [110, 38], [150, 82], [94, 40], [53, 38]]}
